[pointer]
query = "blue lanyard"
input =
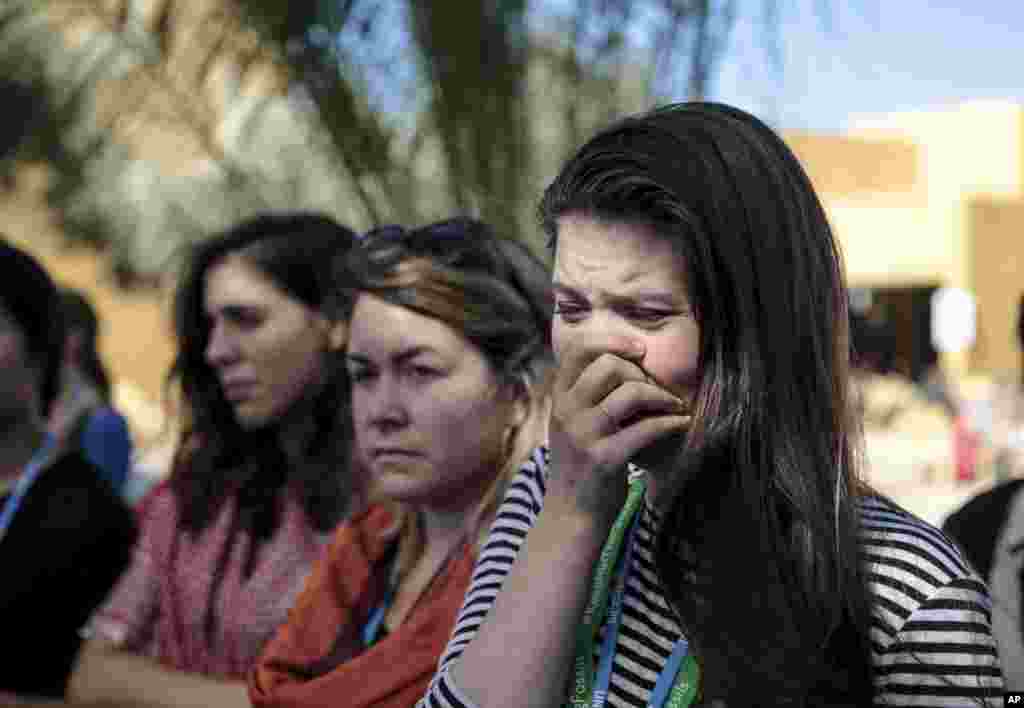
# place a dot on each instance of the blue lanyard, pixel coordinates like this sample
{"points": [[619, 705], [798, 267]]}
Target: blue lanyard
{"points": [[372, 626], [602, 680], [28, 477]]}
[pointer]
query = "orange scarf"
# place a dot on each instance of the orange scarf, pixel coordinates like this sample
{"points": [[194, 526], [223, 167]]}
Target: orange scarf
{"points": [[317, 658]]}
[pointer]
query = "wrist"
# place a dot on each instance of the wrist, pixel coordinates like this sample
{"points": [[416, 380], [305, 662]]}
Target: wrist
{"points": [[564, 523]]}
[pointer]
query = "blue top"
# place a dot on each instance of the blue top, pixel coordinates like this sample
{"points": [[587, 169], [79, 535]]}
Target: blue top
{"points": [[106, 442]]}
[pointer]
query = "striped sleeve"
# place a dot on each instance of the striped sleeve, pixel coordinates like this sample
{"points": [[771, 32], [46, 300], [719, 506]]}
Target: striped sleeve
{"points": [[931, 635], [515, 517]]}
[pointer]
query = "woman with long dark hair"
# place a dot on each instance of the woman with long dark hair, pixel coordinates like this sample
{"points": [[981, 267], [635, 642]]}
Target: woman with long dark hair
{"points": [[449, 353], [704, 538], [260, 479]]}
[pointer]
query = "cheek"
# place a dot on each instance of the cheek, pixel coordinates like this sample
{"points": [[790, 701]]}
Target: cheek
{"points": [[291, 366], [464, 430], [673, 362]]}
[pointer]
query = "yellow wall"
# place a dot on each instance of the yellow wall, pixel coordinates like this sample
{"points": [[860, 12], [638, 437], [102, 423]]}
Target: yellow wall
{"points": [[933, 197], [997, 246]]}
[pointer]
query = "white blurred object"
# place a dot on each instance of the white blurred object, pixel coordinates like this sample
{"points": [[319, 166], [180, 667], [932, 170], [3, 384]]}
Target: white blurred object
{"points": [[954, 320], [155, 439]]}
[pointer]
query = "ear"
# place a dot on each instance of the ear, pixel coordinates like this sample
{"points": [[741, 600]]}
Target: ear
{"points": [[337, 336], [336, 333], [73, 344], [518, 396]]}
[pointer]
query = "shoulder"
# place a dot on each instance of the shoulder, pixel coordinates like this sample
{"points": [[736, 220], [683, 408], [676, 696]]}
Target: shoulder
{"points": [[366, 532], [527, 488], [71, 494], [979, 523], [159, 500], [911, 564], [158, 514], [70, 481]]}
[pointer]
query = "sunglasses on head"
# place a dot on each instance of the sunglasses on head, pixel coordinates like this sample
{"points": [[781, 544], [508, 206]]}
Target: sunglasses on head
{"points": [[449, 241], [444, 231]]}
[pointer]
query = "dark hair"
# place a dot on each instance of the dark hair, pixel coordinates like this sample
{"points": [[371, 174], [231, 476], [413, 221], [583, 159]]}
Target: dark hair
{"points": [[217, 457], [490, 289], [759, 553], [79, 314], [30, 297]]}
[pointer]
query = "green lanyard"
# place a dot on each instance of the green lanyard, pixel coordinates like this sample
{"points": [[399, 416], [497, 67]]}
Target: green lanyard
{"points": [[684, 686]]}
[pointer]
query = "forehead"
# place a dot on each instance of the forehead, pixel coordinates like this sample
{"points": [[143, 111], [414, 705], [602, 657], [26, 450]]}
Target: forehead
{"points": [[235, 281], [592, 253], [379, 330]]}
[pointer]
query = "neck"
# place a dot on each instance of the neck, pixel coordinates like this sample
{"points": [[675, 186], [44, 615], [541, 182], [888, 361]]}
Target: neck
{"points": [[19, 443], [662, 461], [442, 529]]}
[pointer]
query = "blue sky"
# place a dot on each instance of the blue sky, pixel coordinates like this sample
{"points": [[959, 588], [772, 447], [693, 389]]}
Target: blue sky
{"points": [[872, 56]]}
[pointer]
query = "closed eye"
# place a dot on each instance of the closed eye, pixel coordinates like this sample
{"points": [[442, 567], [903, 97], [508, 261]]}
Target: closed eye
{"points": [[357, 375], [569, 311], [421, 372], [245, 318], [647, 315]]}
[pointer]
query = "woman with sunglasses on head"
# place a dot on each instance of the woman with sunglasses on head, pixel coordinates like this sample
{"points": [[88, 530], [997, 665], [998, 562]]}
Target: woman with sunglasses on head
{"points": [[704, 538], [260, 479], [448, 354]]}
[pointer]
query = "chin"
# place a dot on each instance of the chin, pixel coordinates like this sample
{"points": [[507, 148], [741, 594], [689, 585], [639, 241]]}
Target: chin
{"points": [[252, 421], [403, 491]]}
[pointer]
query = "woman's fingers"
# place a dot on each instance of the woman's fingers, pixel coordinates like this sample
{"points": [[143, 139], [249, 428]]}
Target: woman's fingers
{"points": [[629, 440], [604, 374], [578, 357], [632, 401]]}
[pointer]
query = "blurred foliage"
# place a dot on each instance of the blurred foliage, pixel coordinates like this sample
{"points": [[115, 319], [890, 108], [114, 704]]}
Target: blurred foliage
{"points": [[165, 119]]}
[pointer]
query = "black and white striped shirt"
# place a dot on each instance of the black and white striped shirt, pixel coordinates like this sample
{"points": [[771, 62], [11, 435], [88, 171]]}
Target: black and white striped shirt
{"points": [[931, 633]]}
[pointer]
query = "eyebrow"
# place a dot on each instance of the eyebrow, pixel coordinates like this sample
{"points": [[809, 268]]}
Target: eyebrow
{"points": [[659, 296], [398, 358]]}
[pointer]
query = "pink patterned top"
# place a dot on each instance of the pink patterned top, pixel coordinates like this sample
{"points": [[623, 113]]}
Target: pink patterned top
{"points": [[159, 606]]}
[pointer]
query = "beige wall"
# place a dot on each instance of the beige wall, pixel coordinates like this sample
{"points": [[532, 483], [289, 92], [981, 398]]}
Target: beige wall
{"points": [[890, 245], [933, 197], [840, 165], [997, 246]]}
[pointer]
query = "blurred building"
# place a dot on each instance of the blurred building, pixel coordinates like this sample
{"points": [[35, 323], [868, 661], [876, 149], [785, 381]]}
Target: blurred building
{"points": [[923, 200]]}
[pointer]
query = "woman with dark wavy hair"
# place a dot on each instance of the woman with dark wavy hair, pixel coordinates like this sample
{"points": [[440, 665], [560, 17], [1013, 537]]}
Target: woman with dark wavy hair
{"points": [[449, 354], [260, 479], [704, 538]]}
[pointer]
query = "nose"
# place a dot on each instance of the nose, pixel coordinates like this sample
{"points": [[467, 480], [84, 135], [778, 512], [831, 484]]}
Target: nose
{"points": [[383, 404], [221, 348], [604, 333]]}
